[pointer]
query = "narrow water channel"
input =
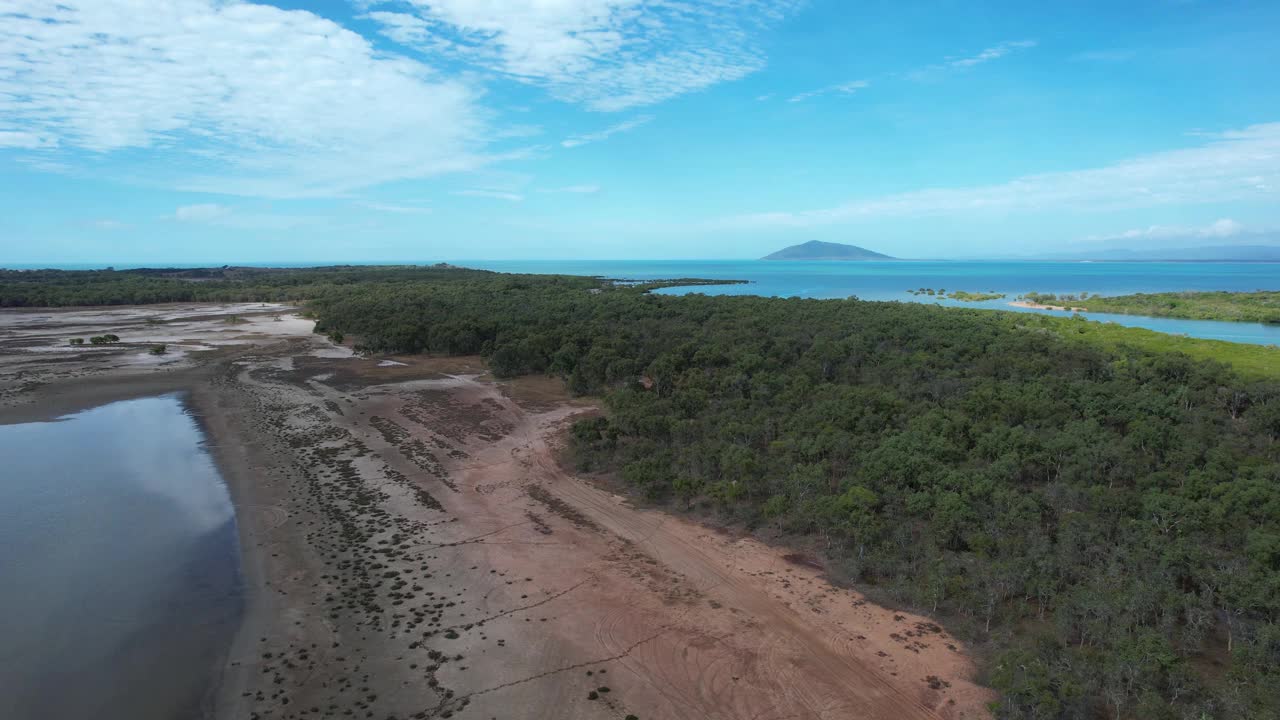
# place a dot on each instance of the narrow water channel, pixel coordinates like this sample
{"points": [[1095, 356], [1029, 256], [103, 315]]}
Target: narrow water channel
{"points": [[119, 565]]}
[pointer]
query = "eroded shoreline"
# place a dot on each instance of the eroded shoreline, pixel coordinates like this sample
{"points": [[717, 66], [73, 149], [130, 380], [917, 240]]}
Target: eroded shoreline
{"points": [[412, 549]]}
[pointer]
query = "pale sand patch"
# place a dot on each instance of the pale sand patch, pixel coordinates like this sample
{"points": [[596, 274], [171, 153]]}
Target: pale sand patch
{"points": [[1038, 306]]}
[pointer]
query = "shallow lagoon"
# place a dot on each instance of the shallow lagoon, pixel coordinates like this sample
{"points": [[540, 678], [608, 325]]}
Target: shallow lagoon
{"points": [[119, 563]]}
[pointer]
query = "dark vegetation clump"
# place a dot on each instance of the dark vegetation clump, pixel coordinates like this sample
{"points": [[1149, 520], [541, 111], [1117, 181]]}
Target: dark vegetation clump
{"points": [[1103, 518]]}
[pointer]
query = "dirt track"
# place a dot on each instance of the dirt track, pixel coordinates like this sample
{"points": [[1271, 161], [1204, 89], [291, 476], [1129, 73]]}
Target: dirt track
{"points": [[413, 549]]}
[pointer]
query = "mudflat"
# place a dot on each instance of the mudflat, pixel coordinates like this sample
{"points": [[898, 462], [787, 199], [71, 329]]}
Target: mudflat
{"points": [[412, 548]]}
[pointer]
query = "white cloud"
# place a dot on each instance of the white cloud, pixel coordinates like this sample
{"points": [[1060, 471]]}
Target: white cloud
{"points": [[587, 138], [203, 212], [109, 224], [239, 98], [853, 86], [1226, 227], [403, 28], [490, 193], [1219, 229], [609, 55], [847, 88], [994, 52], [241, 219], [45, 164], [1235, 166], [23, 139]]}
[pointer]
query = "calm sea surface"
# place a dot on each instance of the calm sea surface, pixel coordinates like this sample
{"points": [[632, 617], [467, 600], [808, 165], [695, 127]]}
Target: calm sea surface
{"points": [[892, 280], [119, 565]]}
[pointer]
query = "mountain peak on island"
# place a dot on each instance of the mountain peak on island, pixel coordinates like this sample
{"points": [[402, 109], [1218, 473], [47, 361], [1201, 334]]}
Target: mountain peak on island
{"points": [[818, 250]]}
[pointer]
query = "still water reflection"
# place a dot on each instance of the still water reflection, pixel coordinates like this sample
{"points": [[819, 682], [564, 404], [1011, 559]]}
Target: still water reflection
{"points": [[119, 577]]}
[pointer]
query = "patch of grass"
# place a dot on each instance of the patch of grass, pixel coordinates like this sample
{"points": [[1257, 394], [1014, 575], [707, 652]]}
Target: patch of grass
{"points": [[1253, 362], [1262, 306]]}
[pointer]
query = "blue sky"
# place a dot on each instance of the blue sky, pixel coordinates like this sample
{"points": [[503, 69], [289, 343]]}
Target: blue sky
{"points": [[203, 131]]}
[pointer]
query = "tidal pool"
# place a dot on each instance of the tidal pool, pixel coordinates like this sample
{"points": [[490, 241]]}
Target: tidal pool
{"points": [[119, 565]]}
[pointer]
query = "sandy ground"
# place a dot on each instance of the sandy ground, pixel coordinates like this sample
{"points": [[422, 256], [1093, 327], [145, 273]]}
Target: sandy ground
{"points": [[412, 548], [1038, 306], [43, 376]]}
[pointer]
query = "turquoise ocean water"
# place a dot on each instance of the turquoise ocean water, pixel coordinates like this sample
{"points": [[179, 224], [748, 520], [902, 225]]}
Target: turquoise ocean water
{"points": [[892, 280]]}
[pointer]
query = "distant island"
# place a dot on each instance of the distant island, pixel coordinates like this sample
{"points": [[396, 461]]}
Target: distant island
{"points": [[818, 250]]}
